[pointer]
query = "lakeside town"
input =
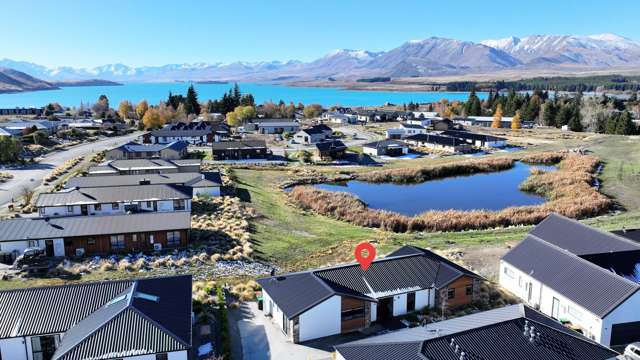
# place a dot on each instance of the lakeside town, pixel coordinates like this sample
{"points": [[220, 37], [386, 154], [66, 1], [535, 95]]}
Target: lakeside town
{"points": [[319, 180]]}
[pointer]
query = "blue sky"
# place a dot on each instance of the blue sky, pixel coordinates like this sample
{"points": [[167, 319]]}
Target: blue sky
{"points": [[88, 33]]}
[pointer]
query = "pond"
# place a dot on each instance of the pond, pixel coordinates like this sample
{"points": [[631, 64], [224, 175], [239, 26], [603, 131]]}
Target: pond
{"points": [[491, 191]]}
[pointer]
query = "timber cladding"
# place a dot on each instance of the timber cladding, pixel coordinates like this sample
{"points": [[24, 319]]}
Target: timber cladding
{"points": [[102, 244], [458, 289], [354, 314]]}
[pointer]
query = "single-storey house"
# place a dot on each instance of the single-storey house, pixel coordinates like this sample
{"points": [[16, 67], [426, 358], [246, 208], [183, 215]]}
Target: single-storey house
{"points": [[143, 319], [145, 166], [513, 332], [171, 151], [17, 126], [240, 150], [421, 121], [439, 142], [98, 234], [405, 130], [313, 134], [278, 127], [340, 118], [196, 133], [579, 275], [120, 200], [442, 124], [477, 140], [329, 150], [483, 121], [385, 148], [201, 183], [21, 111], [341, 299]]}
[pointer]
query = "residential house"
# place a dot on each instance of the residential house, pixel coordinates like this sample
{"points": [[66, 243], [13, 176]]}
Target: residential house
{"points": [[342, 299], [132, 150], [579, 275], [313, 134], [18, 126], [98, 234], [240, 150], [195, 133], [143, 319], [385, 148], [439, 143], [339, 118], [145, 166], [120, 200], [483, 121], [201, 183], [278, 127], [508, 333], [329, 150], [405, 130], [21, 111], [477, 140], [442, 124], [6, 133]]}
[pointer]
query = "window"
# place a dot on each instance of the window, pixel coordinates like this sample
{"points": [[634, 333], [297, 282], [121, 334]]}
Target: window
{"points": [[411, 301], [509, 272], [451, 293], [97, 207], [468, 290], [43, 347], [519, 281], [70, 209], [353, 314], [173, 238], [117, 242], [162, 356], [178, 204], [577, 314], [91, 241], [115, 206]]}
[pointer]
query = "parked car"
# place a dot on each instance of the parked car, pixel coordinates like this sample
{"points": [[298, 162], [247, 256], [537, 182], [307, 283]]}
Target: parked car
{"points": [[632, 351]]}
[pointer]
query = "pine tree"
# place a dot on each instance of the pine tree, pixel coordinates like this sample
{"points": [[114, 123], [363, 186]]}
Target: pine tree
{"points": [[497, 118], [625, 125], [191, 105], [515, 122], [549, 114]]}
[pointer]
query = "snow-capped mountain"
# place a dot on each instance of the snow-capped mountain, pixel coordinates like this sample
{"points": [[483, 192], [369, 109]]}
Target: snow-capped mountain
{"points": [[602, 50], [429, 57]]}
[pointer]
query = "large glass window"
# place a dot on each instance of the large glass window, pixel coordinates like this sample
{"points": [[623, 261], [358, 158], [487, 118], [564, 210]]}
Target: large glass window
{"points": [[162, 356], [411, 301], [178, 204], [117, 242], [352, 314], [173, 238], [43, 347]]}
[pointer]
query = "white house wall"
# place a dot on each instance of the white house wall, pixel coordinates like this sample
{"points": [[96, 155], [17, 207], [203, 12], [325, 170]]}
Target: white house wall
{"points": [[13, 349], [629, 311], [275, 312], [374, 311], [321, 320], [176, 355], [399, 304], [424, 298]]}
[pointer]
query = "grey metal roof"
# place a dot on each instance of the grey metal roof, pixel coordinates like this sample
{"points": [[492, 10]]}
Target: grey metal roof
{"points": [[187, 162], [316, 129], [102, 169], [631, 234], [471, 136], [491, 335], [330, 145], [279, 124], [151, 316], [42, 228], [421, 269], [412, 126], [384, 144], [580, 239], [435, 139], [187, 179], [99, 195], [133, 147], [240, 144], [596, 289], [141, 164]]}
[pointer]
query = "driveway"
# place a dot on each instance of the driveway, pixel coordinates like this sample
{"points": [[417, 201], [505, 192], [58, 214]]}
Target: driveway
{"points": [[262, 340], [31, 175]]}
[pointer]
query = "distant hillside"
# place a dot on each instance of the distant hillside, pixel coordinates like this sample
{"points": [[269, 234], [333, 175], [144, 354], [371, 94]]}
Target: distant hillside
{"points": [[90, 82], [16, 81]]}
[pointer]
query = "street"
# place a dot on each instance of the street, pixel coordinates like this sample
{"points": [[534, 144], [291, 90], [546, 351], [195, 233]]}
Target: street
{"points": [[31, 175]]}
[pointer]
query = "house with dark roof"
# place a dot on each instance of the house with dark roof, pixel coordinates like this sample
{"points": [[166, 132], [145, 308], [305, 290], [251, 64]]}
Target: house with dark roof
{"points": [[385, 148], [329, 150], [477, 140], [120, 200], [405, 130], [145, 166], [340, 118], [508, 333], [277, 127], [313, 134], [342, 299], [196, 133], [240, 150], [132, 150], [208, 182], [439, 143], [579, 275], [143, 319], [96, 235]]}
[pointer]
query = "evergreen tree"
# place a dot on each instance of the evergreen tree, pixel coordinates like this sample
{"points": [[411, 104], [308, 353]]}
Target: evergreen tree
{"points": [[473, 107], [625, 125], [191, 105], [549, 114], [612, 123]]}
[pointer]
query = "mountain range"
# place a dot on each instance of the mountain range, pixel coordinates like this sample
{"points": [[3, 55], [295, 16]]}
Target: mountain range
{"points": [[429, 57]]}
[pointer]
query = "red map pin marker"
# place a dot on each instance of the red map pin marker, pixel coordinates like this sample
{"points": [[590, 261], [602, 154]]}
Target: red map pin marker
{"points": [[365, 260]]}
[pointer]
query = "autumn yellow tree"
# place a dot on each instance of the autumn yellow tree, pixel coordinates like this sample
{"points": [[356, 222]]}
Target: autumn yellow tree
{"points": [[497, 117], [152, 119], [142, 108], [124, 109], [515, 122], [240, 115]]}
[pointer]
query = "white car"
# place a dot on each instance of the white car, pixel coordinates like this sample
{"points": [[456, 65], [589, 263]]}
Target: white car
{"points": [[632, 351]]}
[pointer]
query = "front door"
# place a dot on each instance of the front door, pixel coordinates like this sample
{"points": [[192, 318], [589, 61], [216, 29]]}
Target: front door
{"points": [[84, 210], [385, 309], [48, 248], [555, 308]]}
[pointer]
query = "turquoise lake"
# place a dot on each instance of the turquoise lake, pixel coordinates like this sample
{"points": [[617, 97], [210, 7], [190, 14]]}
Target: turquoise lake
{"points": [[154, 92]]}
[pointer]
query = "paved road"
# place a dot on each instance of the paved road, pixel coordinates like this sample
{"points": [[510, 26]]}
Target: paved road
{"points": [[31, 176]]}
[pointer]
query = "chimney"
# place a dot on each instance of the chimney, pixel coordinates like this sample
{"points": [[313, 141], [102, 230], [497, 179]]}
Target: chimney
{"points": [[463, 356], [526, 327], [532, 334]]}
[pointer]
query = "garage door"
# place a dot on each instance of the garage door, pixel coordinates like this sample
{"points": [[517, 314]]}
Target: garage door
{"points": [[625, 333]]}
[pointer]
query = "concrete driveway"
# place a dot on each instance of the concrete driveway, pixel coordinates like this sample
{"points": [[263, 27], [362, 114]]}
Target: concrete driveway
{"points": [[262, 340], [31, 175]]}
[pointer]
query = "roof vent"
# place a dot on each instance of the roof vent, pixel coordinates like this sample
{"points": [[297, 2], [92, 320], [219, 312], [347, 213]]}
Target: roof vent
{"points": [[145, 296]]}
